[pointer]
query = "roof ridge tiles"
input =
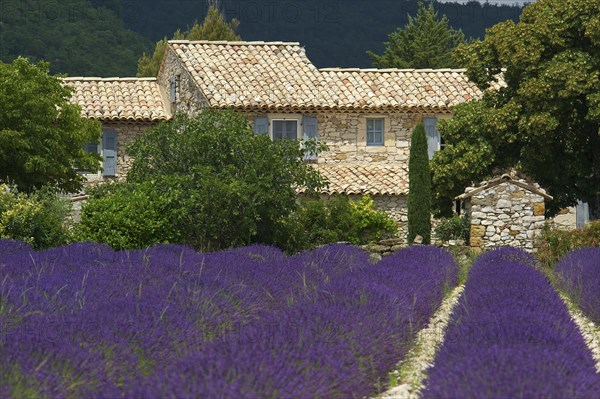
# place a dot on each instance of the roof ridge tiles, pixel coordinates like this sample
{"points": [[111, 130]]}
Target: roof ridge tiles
{"points": [[94, 78], [391, 70], [235, 43]]}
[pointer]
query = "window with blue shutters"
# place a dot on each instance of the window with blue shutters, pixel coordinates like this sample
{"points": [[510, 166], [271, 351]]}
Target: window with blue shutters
{"points": [[109, 152], [434, 141], [375, 132], [309, 132]]}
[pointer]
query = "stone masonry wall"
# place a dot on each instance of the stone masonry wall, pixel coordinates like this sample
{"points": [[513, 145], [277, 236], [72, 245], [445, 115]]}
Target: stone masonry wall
{"points": [[126, 133], [344, 133], [190, 99], [505, 214]]}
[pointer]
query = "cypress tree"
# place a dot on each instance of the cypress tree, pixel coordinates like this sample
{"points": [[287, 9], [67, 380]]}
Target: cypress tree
{"points": [[419, 187]]}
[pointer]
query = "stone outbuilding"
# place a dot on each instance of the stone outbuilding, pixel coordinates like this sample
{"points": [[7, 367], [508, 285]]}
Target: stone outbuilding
{"points": [[505, 211]]}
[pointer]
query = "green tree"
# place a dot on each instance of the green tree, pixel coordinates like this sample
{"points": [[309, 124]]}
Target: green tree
{"points": [[214, 27], [419, 187], [218, 185], [544, 120], [426, 41], [41, 133]]}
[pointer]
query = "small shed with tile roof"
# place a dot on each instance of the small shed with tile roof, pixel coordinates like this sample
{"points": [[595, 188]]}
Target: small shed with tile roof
{"points": [[505, 211]]}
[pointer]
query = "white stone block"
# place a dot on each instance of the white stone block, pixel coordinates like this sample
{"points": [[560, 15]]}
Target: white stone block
{"points": [[487, 222], [498, 223], [503, 203]]}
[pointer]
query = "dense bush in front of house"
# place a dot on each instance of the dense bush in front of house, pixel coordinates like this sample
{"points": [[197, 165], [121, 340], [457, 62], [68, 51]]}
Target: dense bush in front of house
{"points": [[453, 228], [37, 218], [208, 182], [339, 219], [555, 243], [131, 215]]}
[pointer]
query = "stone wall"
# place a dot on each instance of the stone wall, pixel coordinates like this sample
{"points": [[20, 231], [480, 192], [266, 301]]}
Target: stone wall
{"points": [[506, 214], [190, 99], [566, 219], [126, 133], [344, 133]]}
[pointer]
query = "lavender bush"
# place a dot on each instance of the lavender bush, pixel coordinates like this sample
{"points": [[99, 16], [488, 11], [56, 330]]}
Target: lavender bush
{"points": [[578, 274], [86, 321], [511, 336]]}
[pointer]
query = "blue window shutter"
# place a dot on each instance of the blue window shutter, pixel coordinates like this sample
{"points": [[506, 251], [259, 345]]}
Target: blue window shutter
{"points": [[310, 131], [433, 136], [261, 125], [173, 89], [582, 214], [109, 152]]}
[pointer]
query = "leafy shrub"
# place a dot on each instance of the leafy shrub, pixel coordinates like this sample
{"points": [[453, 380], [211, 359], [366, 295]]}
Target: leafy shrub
{"points": [[556, 243], [338, 219], [208, 182], [37, 218], [454, 228], [130, 215]]}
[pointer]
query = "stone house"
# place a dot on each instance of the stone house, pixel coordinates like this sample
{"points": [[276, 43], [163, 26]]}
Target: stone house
{"points": [[126, 107], [505, 211], [364, 116]]}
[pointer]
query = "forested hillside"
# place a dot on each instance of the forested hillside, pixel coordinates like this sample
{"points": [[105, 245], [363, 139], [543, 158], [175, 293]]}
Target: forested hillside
{"points": [[334, 32], [106, 37], [75, 36]]}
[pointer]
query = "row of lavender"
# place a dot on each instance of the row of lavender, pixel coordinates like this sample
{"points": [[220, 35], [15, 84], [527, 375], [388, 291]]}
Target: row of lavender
{"points": [[85, 321], [511, 336], [578, 274]]}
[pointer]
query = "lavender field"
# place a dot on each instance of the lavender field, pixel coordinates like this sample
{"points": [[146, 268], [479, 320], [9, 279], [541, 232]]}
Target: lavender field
{"points": [[511, 336], [86, 321], [578, 274]]}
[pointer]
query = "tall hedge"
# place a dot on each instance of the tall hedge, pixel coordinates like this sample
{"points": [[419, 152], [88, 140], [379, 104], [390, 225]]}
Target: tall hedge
{"points": [[419, 188]]}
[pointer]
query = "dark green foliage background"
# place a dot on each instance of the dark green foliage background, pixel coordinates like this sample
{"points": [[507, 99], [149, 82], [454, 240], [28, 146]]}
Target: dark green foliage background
{"points": [[107, 37]]}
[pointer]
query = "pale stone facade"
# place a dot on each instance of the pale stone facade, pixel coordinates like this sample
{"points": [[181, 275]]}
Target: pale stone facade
{"points": [[505, 212], [126, 133], [188, 97], [344, 133]]}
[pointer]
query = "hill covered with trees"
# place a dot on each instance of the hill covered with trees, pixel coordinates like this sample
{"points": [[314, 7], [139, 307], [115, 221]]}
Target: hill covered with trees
{"points": [[107, 37]]}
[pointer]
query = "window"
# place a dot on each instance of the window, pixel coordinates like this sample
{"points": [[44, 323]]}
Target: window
{"points": [[375, 131], [434, 140], [107, 148], [285, 129], [174, 88]]}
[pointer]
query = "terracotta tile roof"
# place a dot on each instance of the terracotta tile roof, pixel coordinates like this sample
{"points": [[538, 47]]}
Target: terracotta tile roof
{"points": [[364, 179], [399, 88], [278, 75], [262, 75], [119, 98]]}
